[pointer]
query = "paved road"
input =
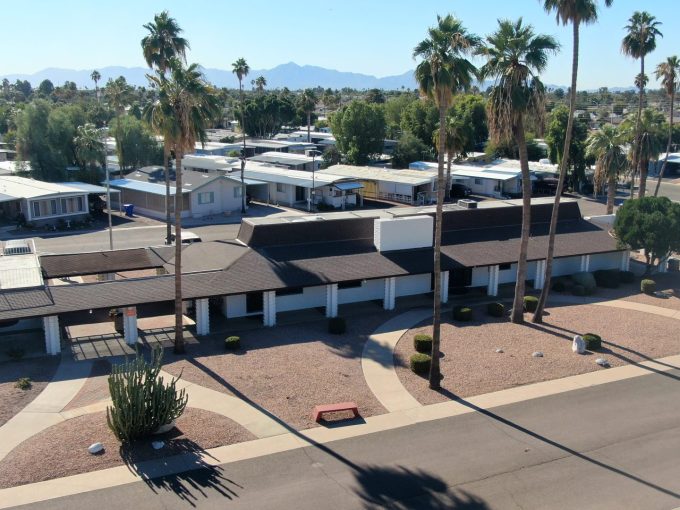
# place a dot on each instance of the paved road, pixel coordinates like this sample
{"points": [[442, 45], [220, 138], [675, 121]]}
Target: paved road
{"points": [[609, 446]]}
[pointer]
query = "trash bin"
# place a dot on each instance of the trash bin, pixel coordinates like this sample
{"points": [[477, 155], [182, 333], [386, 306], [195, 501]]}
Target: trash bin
{"points": [[129, 209]]}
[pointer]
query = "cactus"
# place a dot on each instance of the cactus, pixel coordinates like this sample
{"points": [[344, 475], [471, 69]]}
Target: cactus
{"points": [[141, 400]]}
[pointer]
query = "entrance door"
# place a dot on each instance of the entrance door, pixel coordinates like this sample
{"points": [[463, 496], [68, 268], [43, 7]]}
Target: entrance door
{"points": [[300, 194], [254, 302]]}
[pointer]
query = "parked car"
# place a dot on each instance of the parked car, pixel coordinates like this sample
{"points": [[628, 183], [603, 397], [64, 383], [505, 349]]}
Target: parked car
{"points": [[460, 191], [187, 237]]}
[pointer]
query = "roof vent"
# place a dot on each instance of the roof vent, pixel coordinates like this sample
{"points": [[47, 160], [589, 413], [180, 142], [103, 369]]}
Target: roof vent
{"points": [[466, 203]]}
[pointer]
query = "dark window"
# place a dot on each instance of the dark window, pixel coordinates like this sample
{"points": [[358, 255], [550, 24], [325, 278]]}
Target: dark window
{"points": [[289, 291], [460, 277], [350, 285], [504, 267], [254, 302], [300, 193]]}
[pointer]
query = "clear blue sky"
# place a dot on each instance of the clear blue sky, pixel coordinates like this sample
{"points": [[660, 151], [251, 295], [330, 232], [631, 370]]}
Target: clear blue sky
{"points": [[367, 36]]}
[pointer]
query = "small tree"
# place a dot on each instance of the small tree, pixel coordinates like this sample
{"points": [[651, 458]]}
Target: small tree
{"points": [[649, 223]]}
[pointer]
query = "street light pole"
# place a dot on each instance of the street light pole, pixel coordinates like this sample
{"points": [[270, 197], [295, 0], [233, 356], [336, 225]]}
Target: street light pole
{"points": [[313, 192], [108, 192]]}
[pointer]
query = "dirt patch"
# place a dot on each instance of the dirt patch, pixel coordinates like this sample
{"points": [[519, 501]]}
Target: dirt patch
{"points": [[471, 365], [61, 450], [288, 370], [12, 399], [96, 387]]}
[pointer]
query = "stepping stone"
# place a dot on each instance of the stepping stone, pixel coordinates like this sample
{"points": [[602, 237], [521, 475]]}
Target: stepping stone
{"points": [[537, 354], [95, 448]]}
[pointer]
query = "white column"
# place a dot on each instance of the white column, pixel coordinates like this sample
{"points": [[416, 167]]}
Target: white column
{"points": [[224, 306], [332, 300], [390, 293], [625, 260], [492, 286], [130, 324], [202, 316], [445, 286], [52, 336], [539, 278], [269, 308], [585, 263]]}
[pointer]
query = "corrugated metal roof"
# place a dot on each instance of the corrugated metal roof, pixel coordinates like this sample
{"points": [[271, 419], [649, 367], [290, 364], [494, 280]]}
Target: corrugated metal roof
{"points": [[89, 188], [21, 187], [378, 174]]}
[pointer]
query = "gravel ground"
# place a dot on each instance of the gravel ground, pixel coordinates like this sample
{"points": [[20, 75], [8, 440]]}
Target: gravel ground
{"points": [[12, 399], [61, 450], [471, 366], [289, 369], [667, 284], [96, 387]]}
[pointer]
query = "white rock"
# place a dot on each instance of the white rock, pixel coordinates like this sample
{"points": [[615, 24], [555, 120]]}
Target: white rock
{"points": [[578, 345], [157, 445], [537, 354], [165, 428], [602, 362], [95, 448], [500, 351]]}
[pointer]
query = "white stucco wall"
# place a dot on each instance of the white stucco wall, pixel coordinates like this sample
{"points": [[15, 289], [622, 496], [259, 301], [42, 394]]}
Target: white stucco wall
{"points": [[369, 290], [605, 261], [413, 284], [224, 200], [480, 277], [236, 306], [311, 297], [508, 275], [566, 266]]}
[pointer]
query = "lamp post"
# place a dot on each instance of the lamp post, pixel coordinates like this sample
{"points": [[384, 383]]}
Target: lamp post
{"points": [[108, 190], [313, 191]]}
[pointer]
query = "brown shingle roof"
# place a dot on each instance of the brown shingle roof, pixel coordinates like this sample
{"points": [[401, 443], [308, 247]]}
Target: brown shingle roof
{"points": [[59, 266]]}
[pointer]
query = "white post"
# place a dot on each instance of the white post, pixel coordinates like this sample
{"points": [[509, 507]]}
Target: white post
{"points": [[663, 265], [269, 308], [202, 316], [225, 311], [539, 278], [130, 325], [625, 260], [492, 286], [52, 336], [332, 300], [585, 263], [389, 301], [445, 286]]}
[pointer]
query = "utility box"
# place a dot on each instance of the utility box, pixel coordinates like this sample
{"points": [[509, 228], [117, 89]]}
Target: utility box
{"points": [[403, 233]]}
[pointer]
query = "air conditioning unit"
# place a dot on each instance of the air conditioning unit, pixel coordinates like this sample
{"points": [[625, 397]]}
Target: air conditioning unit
{"points": [[466, 203]]}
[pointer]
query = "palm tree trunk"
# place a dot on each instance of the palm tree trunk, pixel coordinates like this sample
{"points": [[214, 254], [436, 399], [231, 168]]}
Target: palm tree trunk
{"points": [[518, 301], [636, 146], [435, 374], [611, 192], [166, 169], [243, 156], [564, 164], [668, 145], [179, 312], [447, 189]]}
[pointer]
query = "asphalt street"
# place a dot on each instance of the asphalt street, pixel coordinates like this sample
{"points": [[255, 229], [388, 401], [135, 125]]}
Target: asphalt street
{"points": [[612, 446]]}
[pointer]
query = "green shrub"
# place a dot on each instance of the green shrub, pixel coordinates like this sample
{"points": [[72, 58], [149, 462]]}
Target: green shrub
{"points": [[422, 343], [607, 278], [232, 343], [626, 276], [578, 290], [530, 303], [141, 401], [559, 286], [648, 286], [462, 313], [15, 353], [593, 341], [23, 383], [495, 309], [420, 363], [585, 279], [337, 326]]}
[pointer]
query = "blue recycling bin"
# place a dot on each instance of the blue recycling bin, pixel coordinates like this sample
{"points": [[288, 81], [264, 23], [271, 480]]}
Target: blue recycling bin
{"points": [[129, 209]]}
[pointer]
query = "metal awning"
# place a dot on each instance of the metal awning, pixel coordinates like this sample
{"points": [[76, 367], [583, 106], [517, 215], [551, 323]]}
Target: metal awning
{"points": [[347, 186]]}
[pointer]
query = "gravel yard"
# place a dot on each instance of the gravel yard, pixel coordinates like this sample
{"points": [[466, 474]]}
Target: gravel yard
{"points": [[471, 365], [61, 450], [13, 399], [667, 286]]}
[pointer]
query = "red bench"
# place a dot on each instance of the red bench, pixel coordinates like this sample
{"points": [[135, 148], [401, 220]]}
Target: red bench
{"points": [[319, 411]]}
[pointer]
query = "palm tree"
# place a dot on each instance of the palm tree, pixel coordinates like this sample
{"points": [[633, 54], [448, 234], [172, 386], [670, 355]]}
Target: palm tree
{"points": [[260, 83], [456, 138], [443, 70], [515, 57], [667, 72], [307, 102], [89, 146], [639, 41], [576, 12], [162, 44], [241, 69], [605, 145], [95, 77], [186, 104]]}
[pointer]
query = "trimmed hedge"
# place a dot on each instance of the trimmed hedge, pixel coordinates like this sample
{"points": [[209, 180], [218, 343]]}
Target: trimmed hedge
{"points": [[530, 303], [585, 279], [593, 341], [648, 286], [495, 309], [578, 290], [607, 278], [422, 343], [232, 343], [420, 363], [627, 276], [337, 325], [462, 313]]}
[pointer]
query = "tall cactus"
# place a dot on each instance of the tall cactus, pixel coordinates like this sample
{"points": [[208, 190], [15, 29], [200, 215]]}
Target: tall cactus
{"points": [[141, 400]]}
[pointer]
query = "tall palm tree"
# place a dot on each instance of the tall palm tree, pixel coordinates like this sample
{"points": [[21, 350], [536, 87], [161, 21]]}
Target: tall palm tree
{"points": [[605, 145], [456, 138], [241, 69], [667, 72], [639, 41], [443, 70], [307, 102], [260, 83], [163, 43], [95, 77], [576, 12], [516, 55], [186, 105]]}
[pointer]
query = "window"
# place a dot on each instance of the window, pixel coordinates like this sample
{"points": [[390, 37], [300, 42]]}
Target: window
{"points": [[279, 187], [238, 192], [36, 209], [53, 207], [503, 267], [478, 181], [352, 284], [207, 197]]}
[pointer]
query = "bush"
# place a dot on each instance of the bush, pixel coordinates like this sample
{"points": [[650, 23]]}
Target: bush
{"points": [[627, 276], [23, 384], [585, 279], [578, 290], [607, 278], [593, 341], [462, 313], [648, 286], [530, 303], [337, 326], [559, 286], [422, 343], [495, 309], [141, 402], [420, 363], [232, 343]]}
